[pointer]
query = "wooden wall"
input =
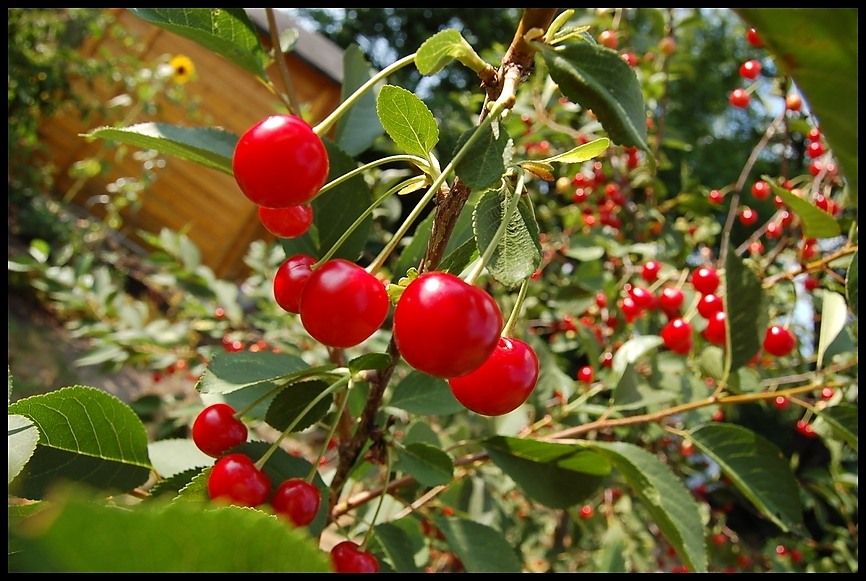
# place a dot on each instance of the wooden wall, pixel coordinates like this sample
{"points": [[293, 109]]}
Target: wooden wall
{"points": [[204, 203]]}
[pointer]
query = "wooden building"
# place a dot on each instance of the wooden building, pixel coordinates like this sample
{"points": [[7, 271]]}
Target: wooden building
{"points": [[203, 203]]}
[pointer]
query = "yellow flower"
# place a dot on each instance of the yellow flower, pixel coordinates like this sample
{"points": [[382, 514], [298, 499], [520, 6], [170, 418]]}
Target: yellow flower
{"points": [[183, 68]]}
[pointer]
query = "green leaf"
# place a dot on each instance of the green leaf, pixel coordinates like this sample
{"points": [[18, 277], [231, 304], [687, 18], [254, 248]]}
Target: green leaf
{"points": [[358, 127], [481, 549], [436, 52], [400, 540], [85, 435], [581, 153], [818, 48], [228, 372], [369, 361], [553, 474], [429, 465], [158, 537], [757, 468], [610, 558], [852, 285], [597, 78], [631, 352], [286, 408], [843, 422], [518, 253], [746, 311], [228, 32], [336, 210], [816, 222], [483, 165], [176, 455], [407, 120], [419, 393], [207, 146], [833, 316], [665, 497], [22, 439]]}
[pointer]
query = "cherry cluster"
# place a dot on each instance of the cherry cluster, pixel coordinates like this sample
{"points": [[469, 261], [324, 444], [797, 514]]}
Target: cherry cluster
{"points": [[236, 479]]}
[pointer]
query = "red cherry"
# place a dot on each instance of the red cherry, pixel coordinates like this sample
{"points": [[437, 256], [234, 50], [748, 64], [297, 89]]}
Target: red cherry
{"points": [[748, 216], [750, 69], [342, 304], [668, 45], [444, 326], [280, 161], [781, 402], [705, 280], [753, 38], [297, 500], [288, 222], [671, 299], [642, 297], [709, 305], [761, 190], [502, 383], [740, 98], [677, 336], [290, 279], [779, 341], [650, 271], [815, 149], [793, 102], [347, 557], [608, 38], [586, 511], [235, 478], [586, 374], [216, 429], [717, 329], [716, 196]]}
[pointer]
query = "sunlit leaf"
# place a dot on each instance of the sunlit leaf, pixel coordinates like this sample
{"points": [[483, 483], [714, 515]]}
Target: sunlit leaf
{"points": [[407, 120], [833, 316]]}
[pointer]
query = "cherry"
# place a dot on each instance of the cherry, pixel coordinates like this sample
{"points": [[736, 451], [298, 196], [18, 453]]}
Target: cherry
{"points": [[347, 557], [342, 304], [216, 429], [642, 297], [290, 279], [444, 326], [709, 305], [235, 478], [671, 299], [586, 374], [677, 335], [793, 102], [280, 161], [815, 149], [608, 38], [716, 196], [586, 511], [753, 38], [750, 69], [288, 222], [739, 98], [668, 45], [650, 271], [748, 216], [705, 280], [779, 341], [502, 383], [717, 329], [761, 190], [297, 500]]}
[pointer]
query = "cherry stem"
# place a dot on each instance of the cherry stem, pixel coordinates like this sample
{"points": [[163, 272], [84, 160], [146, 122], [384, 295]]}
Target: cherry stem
{"points": [[315, 468], [328, 122], [322, 370], [326, 392], [500, 231], [360, 219], [434, 187], [422, 163], [508, 329]]}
